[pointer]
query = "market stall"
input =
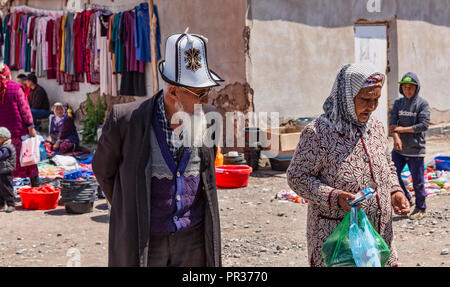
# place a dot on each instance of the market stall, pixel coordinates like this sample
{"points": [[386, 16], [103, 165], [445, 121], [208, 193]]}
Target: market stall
{"points": [[95, 46]]}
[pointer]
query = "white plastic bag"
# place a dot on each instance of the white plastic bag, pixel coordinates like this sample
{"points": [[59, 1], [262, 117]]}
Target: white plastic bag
{"points": [[30, 153]]}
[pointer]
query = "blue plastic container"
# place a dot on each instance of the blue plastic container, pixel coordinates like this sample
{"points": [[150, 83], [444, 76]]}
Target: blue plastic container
{"points": [[42, 152], [73, 174], [442, 162]]}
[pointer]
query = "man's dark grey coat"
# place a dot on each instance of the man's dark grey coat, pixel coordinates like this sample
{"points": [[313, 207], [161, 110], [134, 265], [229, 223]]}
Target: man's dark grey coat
{"points": [[119, 164]]}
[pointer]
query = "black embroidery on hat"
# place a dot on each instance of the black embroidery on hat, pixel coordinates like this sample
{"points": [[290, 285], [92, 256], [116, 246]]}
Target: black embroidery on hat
{"points": [[193, 59]]}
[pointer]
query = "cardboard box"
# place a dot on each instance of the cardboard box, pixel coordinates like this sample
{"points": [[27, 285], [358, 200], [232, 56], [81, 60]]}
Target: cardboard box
{"points": [[288, 138]]}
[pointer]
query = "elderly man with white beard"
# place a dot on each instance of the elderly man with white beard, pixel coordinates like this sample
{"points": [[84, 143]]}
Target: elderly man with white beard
{"points": [[158, 173]]}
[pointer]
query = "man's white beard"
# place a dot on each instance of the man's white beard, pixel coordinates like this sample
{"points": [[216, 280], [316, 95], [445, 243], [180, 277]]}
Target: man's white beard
{"points": [[196, 134]]}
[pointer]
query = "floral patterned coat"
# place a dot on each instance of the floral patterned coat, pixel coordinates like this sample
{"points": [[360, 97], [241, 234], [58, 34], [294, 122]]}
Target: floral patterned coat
{"points": [[326, 162]]}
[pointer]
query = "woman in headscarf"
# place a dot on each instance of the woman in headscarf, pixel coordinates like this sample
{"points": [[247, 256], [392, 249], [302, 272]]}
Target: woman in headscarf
{"points": [[63, 136], [15, 115], [342, 152]]}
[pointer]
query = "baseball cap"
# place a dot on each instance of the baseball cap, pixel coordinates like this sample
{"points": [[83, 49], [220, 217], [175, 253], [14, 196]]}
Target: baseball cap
{"points": [[407, 80]]}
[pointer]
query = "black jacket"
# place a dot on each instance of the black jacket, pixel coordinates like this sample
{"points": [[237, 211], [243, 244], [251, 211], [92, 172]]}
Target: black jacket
{"points": [[38, 99]]}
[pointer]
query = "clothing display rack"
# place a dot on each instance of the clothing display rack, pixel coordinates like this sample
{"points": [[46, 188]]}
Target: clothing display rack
{"points": [[19, 31], [113, 8], [38, 11]]}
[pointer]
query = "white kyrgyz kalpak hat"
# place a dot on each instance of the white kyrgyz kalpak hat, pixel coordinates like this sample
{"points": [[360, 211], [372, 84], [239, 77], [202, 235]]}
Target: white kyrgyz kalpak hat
{"points": [[186, 62]]}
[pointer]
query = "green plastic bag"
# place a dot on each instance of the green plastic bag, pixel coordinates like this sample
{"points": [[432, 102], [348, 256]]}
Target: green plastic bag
{"points": [[336, 251]]}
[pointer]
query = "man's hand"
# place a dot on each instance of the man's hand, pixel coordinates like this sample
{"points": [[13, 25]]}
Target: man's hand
{"points": [[343, 198], [400, 203], [404, 130], [397, 141], [398, 130], [56, 146], [32, 132], [398, 144], [392, 128]]}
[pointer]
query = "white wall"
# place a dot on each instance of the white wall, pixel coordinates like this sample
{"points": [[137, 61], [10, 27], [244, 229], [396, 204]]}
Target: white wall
{"points": [[424, 49], [297, 47], [293, 65]]}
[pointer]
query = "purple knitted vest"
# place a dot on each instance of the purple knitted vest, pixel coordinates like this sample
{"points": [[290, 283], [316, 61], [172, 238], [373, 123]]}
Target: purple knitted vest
{"points": [[177, 203]]}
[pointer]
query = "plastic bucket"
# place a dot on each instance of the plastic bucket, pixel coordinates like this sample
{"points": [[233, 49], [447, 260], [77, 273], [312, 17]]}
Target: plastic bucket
{"points": [[43, 198], [74, 207], [78, 190], [232, 176], [252, 156], [442, 162], [279, 164]]}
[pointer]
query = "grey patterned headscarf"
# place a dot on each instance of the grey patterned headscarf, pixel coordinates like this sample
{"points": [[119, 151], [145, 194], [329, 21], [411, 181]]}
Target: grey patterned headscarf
{"points": [[339, 106]]}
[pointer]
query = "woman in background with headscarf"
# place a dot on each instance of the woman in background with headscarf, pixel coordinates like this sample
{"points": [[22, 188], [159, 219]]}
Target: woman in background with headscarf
{"points": [[342, 152], [63, 136], [15, 115]]}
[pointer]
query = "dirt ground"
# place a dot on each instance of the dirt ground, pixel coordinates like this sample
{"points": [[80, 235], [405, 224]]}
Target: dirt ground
{"points": [[257, 230]]}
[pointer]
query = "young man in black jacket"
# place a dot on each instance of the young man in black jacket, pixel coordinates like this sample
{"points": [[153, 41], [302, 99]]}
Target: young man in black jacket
{"points": [[410, 118], [38, 100]]}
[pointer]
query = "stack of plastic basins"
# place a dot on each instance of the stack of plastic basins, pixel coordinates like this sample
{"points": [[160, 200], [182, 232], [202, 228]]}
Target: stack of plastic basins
{"points": [[78, 195]]}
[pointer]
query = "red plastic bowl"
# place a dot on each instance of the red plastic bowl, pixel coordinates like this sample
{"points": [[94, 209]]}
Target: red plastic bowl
{"points": [[232, 176], [38, 200]]}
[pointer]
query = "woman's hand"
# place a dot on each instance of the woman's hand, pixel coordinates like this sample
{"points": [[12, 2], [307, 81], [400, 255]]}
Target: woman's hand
{"points": [[343, 198], [400, 203], [31, 132]]}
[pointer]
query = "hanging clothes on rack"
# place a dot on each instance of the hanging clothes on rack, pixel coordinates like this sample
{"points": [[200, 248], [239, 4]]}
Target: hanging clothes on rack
{"points": [[94, 65], [7, 43], [110, 43], [112, 59], [86, 55], [117, 45], [133, 71], [51, 55], [2, 40], [32, 39], [142, 32], [79, 50], [69, 58], [23, 37], [28, 46], [43, 36], [40, 46], [63, 42], [68, 46], [107, 85], [12, 51]]}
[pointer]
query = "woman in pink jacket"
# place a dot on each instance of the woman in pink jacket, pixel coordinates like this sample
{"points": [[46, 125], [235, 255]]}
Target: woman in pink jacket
{"points": [[15, 114]]}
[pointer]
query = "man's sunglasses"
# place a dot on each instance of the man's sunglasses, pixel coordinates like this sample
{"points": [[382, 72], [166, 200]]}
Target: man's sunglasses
{"points": [[200, 96]]}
